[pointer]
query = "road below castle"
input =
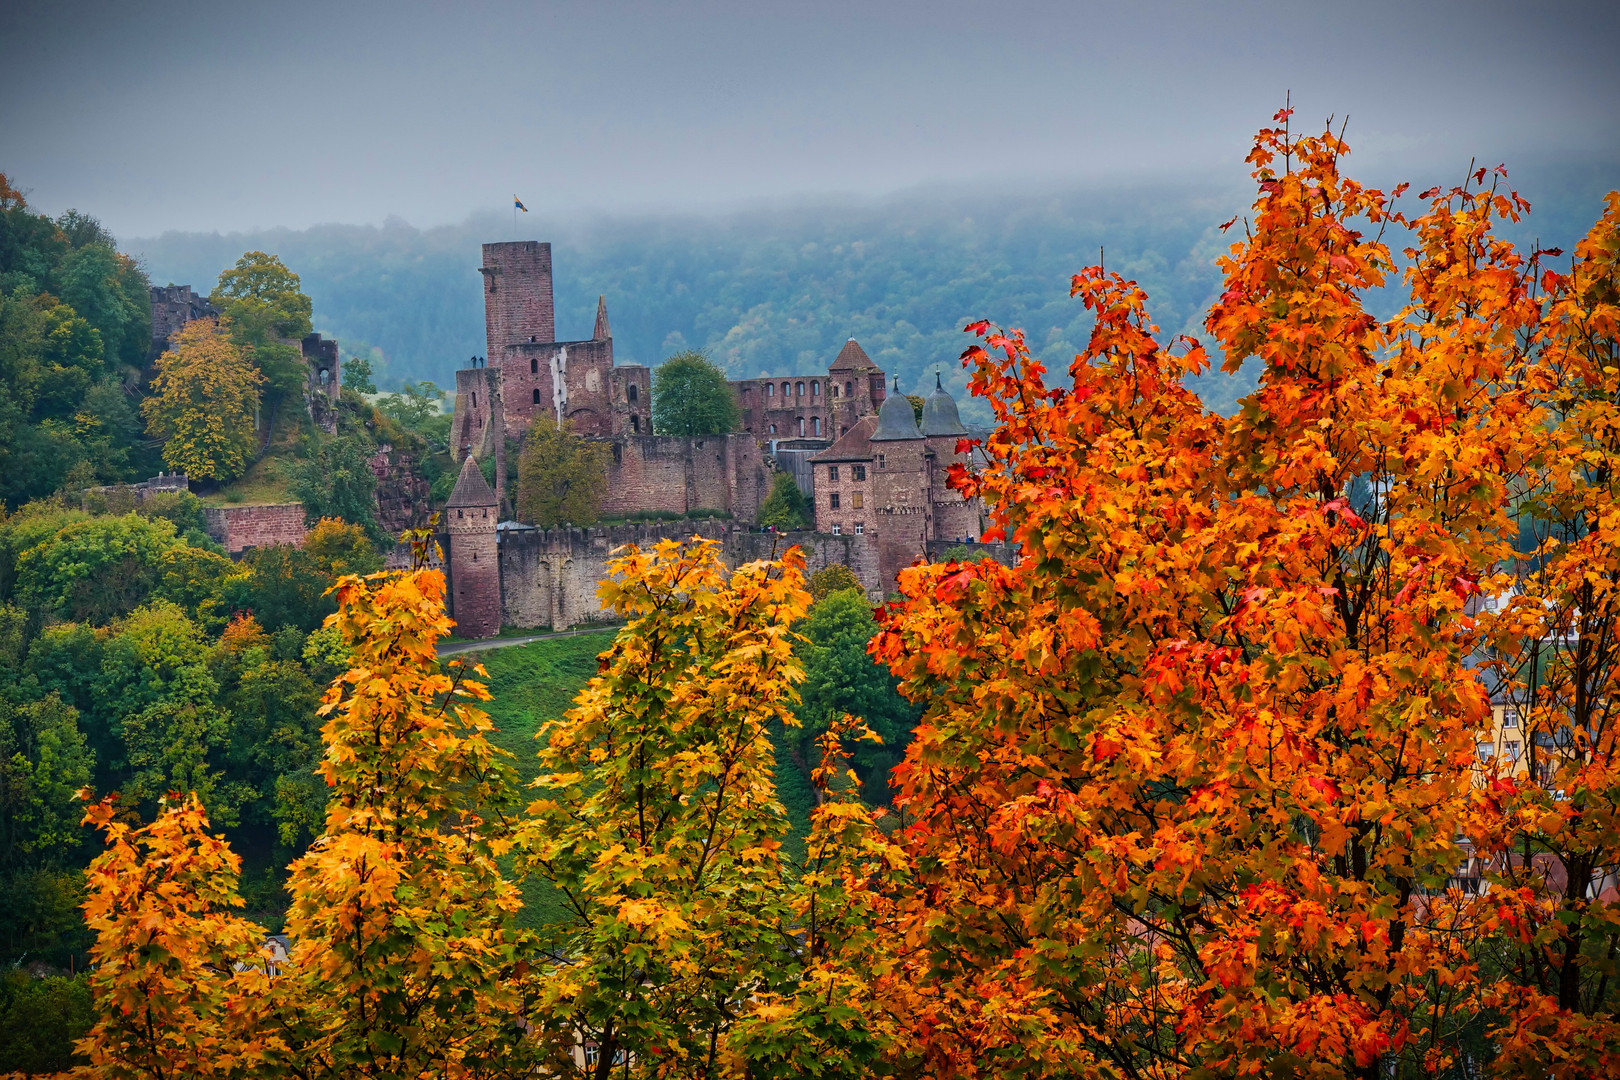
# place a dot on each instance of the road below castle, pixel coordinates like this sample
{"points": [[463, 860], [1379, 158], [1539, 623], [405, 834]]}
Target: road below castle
{"points": [[501, 643]]}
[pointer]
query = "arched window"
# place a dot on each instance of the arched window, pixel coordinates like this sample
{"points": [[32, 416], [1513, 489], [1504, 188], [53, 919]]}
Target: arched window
{"points": [[534, 365], [633, 391], [799, 389], [773, 429], [815, 426], [537, 395], [770, 389], [787, 388], [815, 389], [801, 427], [849, 389]]}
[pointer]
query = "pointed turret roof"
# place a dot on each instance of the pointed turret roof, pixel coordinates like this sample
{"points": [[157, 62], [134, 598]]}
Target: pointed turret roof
{"points": [[851, 357], [939, 413], [896, 419], [471, 487], [601, 333]]}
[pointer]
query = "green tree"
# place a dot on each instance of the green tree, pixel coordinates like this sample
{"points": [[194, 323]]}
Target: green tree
{"points": [[107, 288], [561, 477], [832, 578], [418, 407], [335, 480], [785, 507], [357, 375], [841, 677], [95, 568], [283, 586], [40, 1019], [44, 761], [690, 396], [202, 404], [265, 312]]}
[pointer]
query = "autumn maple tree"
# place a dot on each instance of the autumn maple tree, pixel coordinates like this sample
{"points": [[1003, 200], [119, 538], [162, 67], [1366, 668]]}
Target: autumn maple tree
{"points": [[1199, 784]]}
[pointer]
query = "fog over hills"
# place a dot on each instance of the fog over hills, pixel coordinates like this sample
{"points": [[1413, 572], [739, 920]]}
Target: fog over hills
{"points": [[776, 289]]}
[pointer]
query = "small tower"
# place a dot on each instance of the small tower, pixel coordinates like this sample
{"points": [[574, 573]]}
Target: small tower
{"points": [[475, 570]]}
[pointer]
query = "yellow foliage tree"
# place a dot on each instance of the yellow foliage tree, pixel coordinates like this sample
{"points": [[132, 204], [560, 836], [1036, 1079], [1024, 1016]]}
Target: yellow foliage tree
{"points": [[202, 404]]}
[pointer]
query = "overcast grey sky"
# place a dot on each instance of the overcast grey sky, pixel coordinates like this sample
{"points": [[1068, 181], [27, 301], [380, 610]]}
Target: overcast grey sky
{"points": [[191, 115]]}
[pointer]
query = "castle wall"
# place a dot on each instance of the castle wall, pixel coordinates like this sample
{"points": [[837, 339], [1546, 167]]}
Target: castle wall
{"points": [[518, 302], [903, 517], [549, 577], [238, 528], [673, 474], [570, 379], [479, 419], [172, 307]]}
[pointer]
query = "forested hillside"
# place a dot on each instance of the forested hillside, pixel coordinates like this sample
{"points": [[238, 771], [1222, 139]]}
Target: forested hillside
{"points": [[779, 289]]}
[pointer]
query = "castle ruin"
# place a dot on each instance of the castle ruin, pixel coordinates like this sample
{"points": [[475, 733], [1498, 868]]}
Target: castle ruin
{"points": [[875, 477]]}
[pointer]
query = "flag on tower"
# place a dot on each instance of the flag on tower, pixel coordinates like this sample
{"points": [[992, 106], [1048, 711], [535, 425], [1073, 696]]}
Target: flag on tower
{"points": [[518, 204]]}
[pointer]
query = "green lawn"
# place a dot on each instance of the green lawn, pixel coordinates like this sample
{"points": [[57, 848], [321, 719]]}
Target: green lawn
{"points": [[537, 682]]}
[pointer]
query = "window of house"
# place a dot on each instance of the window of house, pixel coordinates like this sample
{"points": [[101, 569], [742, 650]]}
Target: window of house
{"points": [[537, 395], [833, 500], [534, 365], [849, 389], [773, 429], [838, 530], [832, 473], [882, 462], [1511, 749], [815, 389], [461, 513], [815, 426], [799, 389], [1510, 718], [832, 389], [855, 500], [860, 528], [858, 472], [633, 391]]}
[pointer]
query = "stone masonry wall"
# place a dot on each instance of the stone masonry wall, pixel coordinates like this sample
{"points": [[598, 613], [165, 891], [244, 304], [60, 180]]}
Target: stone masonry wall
{"points": [[549, 577], [241, 527], [671, 474]]}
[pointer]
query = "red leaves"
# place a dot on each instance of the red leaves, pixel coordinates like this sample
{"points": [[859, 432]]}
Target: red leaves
{"points": [[1281, 115], [1229, 222]]}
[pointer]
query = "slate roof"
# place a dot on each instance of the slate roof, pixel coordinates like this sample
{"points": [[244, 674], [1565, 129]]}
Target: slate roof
{"points": [[471, 487], [852, 445]]}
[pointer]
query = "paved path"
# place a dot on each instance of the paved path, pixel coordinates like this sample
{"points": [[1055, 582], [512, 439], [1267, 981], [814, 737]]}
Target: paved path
{"points": [[504, 642]]}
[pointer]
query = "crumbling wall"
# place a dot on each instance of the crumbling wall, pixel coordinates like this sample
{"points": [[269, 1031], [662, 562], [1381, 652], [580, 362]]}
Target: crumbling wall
{"points": [[238, 528]]}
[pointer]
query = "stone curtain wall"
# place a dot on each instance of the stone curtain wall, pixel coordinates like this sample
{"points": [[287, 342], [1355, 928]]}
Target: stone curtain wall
{"points": [[241, 527], [549, 577], [672, 474]]}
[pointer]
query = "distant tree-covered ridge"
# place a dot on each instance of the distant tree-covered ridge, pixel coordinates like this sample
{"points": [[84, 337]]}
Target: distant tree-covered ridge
{"points": [[779, 289]]}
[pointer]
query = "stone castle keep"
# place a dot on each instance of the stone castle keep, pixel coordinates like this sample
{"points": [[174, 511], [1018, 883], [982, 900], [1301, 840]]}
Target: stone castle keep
{"points": [[875, 477]]}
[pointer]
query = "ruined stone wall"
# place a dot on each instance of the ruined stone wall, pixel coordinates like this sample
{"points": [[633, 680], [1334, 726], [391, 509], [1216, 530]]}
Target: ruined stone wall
{"points": [[549, 577], [673, 474], [479, 419], [517, 294], [631, 398], [238, 528], [778, 408], [172, 307], [570, 379]]}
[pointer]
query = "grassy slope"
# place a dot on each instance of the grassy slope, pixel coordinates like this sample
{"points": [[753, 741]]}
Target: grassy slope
{"points": [[537, 682]]}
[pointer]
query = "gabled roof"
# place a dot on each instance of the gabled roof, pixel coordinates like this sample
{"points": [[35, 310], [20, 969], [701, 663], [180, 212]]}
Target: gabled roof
{"points": [[851, 357], [852, 445], [471, 487]]}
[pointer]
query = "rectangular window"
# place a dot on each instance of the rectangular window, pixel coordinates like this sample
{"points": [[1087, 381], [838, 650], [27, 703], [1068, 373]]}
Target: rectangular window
{"points": [[860, 528], [881, 462], [832, 473], [1510, 719], [856, 501], [858, 471], [834, 500], [1511, 749], [838, 530]]}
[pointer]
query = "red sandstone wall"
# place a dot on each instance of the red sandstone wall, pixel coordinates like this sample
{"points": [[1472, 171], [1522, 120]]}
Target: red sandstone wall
{"points": [[670, 474], [241, 527], [517, 294]]}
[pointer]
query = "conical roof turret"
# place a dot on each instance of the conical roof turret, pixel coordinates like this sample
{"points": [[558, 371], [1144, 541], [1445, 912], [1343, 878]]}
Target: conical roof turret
{"points": [[939, 413], [471, 488], [896, 419]]}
